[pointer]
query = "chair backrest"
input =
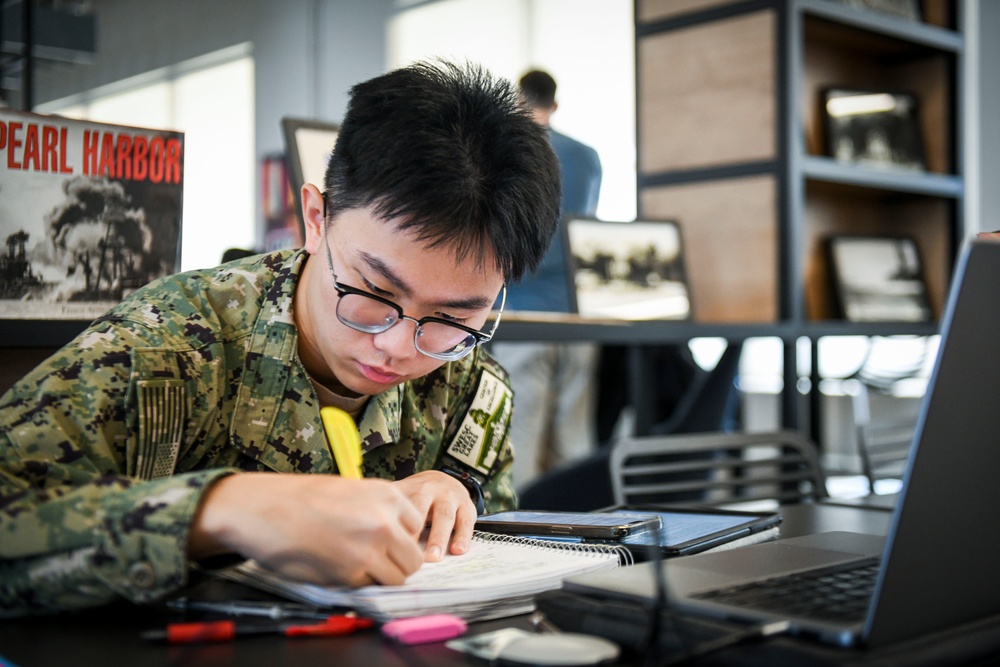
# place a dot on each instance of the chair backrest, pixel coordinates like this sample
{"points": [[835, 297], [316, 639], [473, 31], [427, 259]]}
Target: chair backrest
{"points": [[885, 422], [716, 469], [703, 406], [884, 436]]}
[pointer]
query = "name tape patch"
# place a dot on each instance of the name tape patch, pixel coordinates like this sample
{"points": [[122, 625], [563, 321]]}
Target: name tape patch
{"points": [[478, 440]]}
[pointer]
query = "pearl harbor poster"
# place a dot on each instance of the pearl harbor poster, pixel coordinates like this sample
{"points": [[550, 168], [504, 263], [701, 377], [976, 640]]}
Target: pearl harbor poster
{"points": [[89, 212]]}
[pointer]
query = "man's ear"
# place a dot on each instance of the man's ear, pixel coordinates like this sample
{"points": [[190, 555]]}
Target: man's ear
{"points": [[313, 216]]}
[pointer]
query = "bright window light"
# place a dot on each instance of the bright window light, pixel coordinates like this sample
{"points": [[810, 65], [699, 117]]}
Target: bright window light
{"points": [[211, 100], [214, 107], [587, 45], [146, 106]]}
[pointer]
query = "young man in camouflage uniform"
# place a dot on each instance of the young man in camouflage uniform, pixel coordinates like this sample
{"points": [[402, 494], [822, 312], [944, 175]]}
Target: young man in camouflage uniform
{"points": [[165, 432]]}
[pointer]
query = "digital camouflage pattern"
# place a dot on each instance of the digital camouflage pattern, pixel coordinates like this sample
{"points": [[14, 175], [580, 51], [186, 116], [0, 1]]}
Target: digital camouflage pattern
{"points": [[107, 447]]}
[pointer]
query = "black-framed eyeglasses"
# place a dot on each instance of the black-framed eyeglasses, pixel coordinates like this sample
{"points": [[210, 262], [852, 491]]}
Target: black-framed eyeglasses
{"points": [[434, 336]]}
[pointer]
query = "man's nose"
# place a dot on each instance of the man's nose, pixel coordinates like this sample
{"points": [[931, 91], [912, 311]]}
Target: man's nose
{"points": [[398, 340]]}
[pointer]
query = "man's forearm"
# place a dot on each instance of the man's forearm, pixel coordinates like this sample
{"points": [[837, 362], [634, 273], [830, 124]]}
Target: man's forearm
{"points": [[106, 539]]}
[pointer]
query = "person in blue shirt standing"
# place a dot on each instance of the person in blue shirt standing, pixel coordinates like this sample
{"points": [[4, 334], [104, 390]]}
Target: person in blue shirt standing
{"points": [[554, 421]]}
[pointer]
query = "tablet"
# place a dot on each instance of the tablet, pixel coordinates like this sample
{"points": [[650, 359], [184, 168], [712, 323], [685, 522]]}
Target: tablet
{"points": [[689, 531], [581, 525]]}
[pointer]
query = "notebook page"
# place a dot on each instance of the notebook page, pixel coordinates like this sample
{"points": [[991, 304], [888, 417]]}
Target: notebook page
{"points": [[499, 572]]}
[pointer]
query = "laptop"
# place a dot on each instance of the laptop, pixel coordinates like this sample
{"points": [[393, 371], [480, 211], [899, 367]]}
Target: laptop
{"points": [[936, 567]]}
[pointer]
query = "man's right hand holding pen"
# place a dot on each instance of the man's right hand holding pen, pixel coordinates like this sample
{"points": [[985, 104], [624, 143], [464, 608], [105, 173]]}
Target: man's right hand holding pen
{"points": [[332, 530]]}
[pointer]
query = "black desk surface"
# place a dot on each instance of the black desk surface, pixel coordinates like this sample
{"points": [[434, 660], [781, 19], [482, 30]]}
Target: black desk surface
{"points": [[111, 636]]}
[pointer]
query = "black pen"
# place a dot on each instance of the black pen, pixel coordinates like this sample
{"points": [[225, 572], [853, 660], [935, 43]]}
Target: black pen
{"points": [[275, 610]]}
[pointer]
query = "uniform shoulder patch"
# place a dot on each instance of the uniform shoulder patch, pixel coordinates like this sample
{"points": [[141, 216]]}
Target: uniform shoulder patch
{"points": [[481, 434]]}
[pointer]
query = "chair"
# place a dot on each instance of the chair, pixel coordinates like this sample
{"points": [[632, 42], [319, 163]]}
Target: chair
{"points": [[883, 442], [716, 469], [585, 485], [707, 401], [884, 423]]}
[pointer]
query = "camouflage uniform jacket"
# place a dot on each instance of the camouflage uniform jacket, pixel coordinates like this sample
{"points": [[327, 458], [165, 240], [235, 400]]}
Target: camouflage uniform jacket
{"points": [[107, 447]]}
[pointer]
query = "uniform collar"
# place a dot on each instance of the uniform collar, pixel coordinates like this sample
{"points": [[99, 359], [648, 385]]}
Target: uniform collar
{"points": [[380, 420], [276, 419]]}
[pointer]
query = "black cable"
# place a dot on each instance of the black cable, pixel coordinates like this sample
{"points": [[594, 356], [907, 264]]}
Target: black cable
{"points": [[655, 557], [660, 610], [726, 641]]}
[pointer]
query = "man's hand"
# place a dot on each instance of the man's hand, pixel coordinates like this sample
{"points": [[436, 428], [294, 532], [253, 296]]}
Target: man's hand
{"points": [[446, 505], [322, 529]]}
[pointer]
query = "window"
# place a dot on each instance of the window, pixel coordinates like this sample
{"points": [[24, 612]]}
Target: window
{"points": [[211, 100], [588, 46]]}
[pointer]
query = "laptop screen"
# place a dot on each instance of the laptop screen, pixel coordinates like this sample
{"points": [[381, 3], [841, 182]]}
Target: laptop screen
{"points": [[942, 544]]}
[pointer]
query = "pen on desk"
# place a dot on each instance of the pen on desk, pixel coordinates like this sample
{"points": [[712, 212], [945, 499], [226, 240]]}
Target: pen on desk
{"points": [[221, 631], [344, 441], [273, 610]]}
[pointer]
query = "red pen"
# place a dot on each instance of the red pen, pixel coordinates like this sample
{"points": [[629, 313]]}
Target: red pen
{"points": [[221, 631]]}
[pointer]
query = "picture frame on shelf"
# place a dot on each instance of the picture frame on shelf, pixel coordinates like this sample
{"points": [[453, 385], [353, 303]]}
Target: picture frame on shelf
{"points": [[904, 9], [878, 279], [627, 270], [873, 128]]}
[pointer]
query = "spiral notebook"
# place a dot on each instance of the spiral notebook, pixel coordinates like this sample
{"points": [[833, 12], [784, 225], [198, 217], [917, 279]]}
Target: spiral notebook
{"points": [[499, 576]]}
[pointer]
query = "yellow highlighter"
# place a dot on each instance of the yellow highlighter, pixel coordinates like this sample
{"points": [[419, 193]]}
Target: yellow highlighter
{"points": [[344, 440]]}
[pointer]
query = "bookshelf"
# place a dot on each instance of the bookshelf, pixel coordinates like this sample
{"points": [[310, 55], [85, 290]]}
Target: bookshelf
{"points": [[731, 144]]}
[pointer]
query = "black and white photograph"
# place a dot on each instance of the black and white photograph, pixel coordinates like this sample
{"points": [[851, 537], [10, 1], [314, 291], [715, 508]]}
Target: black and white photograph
{"points": [[89, 212], [628, 270], [873, 128], [879, 279]]}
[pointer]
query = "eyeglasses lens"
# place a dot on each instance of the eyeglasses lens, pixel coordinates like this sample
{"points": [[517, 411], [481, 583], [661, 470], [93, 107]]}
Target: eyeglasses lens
{"points": [[435, 339]]}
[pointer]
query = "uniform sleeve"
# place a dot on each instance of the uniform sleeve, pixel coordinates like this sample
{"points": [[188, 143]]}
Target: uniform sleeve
{"points": [[84, 519]]}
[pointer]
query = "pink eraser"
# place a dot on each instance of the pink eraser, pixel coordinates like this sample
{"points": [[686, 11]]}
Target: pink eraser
{"points": [[424, 629]]}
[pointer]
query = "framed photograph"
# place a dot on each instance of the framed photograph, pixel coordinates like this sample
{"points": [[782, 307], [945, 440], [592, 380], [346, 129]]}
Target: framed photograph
{"points": [[878, 279], [627, 270], [906, 9], [873, 128]]}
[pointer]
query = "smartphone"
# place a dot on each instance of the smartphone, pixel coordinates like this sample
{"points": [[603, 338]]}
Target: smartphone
{"points": [[582, 525]]}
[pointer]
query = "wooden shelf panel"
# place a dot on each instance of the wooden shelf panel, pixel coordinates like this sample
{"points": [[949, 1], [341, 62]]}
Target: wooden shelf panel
{"points": [[715, 103], [649, 11], [730, 236]]}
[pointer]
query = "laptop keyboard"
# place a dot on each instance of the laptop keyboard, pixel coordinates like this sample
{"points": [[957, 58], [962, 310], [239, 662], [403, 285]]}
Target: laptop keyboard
{"points": [[828, 594]]}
